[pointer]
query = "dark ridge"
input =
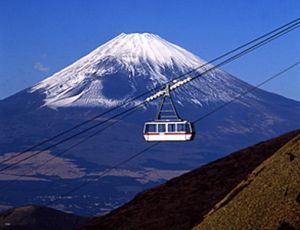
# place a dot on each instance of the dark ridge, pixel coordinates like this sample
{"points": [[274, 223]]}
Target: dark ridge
{"points": [[33, 217]]}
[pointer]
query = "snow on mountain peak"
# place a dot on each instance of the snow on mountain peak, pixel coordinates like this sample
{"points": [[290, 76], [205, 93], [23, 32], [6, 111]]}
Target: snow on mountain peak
{"points": [[136, 48], [118, 69]]}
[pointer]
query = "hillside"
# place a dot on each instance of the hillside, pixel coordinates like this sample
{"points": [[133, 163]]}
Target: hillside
{"points": [[268, 199], [183, 202], [33, 217]]}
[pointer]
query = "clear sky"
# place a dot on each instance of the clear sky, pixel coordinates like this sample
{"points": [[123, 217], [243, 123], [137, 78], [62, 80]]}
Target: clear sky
{"points": [[40, 37]]}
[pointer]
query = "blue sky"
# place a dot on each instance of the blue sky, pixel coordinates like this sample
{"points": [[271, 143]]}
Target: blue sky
{"points": [[40, 37]]}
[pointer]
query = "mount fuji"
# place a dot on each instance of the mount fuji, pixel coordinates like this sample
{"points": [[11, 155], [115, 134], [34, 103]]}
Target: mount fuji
{"points": [[112, 74], [130, 64]]}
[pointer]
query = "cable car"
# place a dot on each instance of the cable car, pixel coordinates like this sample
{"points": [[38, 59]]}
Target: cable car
{"points": [[168, 131], [167, 125]]}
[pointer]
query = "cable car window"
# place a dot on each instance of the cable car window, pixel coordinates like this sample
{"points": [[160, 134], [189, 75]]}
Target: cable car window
{"points": [[187, 127], [171, 128], [180, 127], [150, 128], [161, 127]]}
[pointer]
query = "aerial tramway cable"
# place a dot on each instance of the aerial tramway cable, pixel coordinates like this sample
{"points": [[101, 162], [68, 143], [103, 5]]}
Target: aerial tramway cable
{"points": [[291, 26]]}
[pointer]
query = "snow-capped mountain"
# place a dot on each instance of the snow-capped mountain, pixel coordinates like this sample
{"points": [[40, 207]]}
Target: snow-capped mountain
{"points": [[129, 64]]}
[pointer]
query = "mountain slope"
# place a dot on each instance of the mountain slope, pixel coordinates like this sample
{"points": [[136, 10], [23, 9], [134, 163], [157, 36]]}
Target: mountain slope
{"points": [[182, 202], [269, 198], [33, 217]]}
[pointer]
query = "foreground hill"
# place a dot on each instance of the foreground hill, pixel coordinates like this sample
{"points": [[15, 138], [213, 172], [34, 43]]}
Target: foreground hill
{"points": [[33, 217], [269, 198], [183, 202]]}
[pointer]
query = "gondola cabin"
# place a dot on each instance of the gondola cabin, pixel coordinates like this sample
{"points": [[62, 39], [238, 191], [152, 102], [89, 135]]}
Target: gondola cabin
{"points": [[168, 131], [168, 126]]}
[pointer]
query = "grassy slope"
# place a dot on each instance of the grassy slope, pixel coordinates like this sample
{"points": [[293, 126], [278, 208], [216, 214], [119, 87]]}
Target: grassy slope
{"points": [[268, 199], [182, 202]]}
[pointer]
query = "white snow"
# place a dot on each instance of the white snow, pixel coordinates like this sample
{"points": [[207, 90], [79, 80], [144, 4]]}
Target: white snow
{"points": [[139, 56]]}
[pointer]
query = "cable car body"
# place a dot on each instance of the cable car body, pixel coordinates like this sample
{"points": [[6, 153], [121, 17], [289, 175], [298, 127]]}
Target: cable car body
{"points": [[168, 131], [167, 126]]}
